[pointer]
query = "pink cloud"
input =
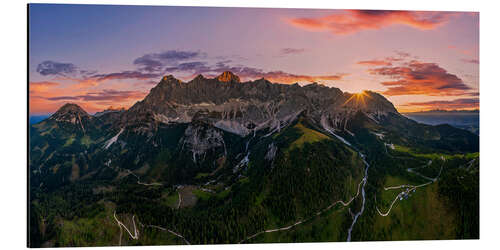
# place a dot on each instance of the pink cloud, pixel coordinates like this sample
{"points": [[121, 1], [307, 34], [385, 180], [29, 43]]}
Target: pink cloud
{"points": [[353, 21]]}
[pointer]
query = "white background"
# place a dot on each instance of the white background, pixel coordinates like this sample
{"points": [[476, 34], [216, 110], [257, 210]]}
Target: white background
{"points": [[13, 116]]}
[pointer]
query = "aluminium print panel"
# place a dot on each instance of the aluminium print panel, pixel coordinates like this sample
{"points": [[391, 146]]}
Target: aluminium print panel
{"points": [[157, 125]]}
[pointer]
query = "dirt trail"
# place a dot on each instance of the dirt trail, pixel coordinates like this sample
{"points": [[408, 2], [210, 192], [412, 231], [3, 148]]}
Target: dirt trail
{"points": [[180, 200]]}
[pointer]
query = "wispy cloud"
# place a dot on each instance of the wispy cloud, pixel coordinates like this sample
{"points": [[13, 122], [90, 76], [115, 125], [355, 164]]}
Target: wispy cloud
{"points": [[55, 68], [193, 67], [463, 103], [149, 66], [152, 66], [285, 77], [375, 63], [124, 75], [467, 52], [92, 79], [389, 60], [292, 51], [87, 73], [42, 84], [473, 61], [35, 87], [104, 95], [155, 62], [353, 21]]}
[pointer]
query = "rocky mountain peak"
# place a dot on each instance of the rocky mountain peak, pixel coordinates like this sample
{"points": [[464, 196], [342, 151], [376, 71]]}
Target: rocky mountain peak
{"points": [[71, 113], [168, 81], [70, 109], [199, 77], [228, 76], [366, 100], [169, 78]]}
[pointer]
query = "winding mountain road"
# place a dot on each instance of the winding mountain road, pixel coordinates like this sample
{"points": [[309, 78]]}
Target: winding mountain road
{"points": [[134, 236], [410, 188], [170, 231]]}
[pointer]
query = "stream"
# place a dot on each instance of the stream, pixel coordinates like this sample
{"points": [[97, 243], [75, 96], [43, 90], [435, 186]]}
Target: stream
{"points": [[365, 179]]}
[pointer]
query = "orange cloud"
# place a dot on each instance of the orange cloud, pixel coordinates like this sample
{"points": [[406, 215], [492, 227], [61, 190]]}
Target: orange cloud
{"points": [[420, 78], [283, 77], [353, 21], [41, 86]]}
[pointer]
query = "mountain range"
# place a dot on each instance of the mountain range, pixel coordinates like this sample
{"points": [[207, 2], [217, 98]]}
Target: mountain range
{"points": [[217, 160], [464, 119]]}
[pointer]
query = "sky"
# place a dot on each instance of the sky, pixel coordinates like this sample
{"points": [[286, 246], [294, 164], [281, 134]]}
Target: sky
{"points": [[104, 56]]}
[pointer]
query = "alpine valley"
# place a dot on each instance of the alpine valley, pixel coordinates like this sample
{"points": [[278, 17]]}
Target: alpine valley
{"points": [[215, 161]]}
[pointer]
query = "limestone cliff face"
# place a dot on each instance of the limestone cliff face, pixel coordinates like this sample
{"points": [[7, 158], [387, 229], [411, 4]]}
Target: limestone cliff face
{"points": [[243, 107], [199, 139]]}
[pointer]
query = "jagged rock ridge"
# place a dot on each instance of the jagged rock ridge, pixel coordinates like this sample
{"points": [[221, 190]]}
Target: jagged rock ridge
{"points": [[242, 107]]}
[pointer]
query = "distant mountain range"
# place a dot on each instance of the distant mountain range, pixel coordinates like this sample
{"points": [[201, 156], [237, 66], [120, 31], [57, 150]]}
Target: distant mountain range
{"points": [[464, 119], [217, 160], [440, 111]]}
